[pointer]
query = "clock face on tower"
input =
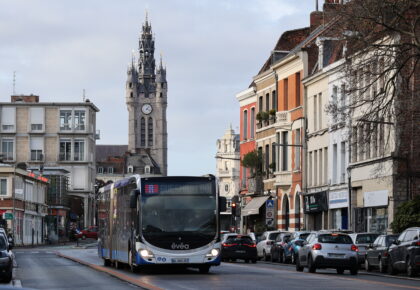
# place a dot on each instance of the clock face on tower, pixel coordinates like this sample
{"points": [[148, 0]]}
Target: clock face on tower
{"points": [[146, 109]]}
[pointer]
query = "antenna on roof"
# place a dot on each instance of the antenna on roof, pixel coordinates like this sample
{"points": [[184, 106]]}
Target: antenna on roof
{"points": [[316, 5], [14, 83], [84, 95]]}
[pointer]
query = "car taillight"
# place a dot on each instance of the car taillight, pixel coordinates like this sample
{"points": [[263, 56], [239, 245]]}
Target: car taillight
{"points": [[416, 243], [354, 248], [251, 245], [385, 254], [317, 247], [228, 245]]}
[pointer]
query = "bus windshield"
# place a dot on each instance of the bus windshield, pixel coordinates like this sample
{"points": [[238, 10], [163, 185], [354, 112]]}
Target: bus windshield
{"points": [[178, 219]]}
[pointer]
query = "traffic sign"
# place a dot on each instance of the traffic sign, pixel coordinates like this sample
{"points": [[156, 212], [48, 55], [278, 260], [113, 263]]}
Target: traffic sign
{"points": [[269, 203], [8, 216]]}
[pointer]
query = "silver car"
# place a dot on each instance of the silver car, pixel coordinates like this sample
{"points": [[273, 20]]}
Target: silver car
{"points": [[328, 250], [264, 244], [362, 241]]}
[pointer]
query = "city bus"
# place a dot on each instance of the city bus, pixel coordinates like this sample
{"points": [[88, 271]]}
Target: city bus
{"points": [[147, 221]]}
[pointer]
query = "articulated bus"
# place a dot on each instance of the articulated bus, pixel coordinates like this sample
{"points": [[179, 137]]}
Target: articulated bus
{"points": [[160, 221]]}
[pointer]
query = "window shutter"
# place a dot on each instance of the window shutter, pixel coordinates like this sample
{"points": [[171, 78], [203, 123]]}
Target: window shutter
{"points": [[8, 115], [37, 115]]}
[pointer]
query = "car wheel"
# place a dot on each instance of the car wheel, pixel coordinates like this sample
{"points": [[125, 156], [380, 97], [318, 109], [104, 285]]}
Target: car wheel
{"points": [[340, 271], [294, 256], [354, 270], [107, 263], [204, 269], [391, 269], [8, 277], [411, 272], [368, 267], [265, 257], [382, 267], [299, 268], [281, 257], [272, 259], [311, 265]]}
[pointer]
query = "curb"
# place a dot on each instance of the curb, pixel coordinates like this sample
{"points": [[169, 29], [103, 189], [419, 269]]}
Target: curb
{"points": [[113, 273]]}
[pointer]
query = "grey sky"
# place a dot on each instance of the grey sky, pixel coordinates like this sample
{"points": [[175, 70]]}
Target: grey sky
{"points": [[212, 48]]}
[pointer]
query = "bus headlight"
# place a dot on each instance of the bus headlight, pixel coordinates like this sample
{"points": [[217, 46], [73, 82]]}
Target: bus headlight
{"points": [[213, 253], [146, 253]]}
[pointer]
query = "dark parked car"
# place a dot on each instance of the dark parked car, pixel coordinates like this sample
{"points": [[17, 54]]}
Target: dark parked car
{"points": [[279, 247], [377, 253], [239, 247], [6, 260], [362, 241], [404, 253]]}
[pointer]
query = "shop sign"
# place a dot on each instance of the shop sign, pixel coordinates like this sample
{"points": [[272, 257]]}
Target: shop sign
{"points": [[315, 202], [375, 198], [8, 216], [338, 199]]}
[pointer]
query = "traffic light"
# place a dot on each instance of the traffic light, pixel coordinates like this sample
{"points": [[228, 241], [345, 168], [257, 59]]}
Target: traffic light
{"points": [[233, 208]]}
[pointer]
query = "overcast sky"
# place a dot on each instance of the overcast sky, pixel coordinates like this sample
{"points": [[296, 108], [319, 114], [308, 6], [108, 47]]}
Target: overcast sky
{"points": [[212, 49]]}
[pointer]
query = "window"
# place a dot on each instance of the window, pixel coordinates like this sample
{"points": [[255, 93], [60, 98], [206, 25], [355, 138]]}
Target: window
{"points": [[245, 125], [147, 169], [273, 157], [286, 94], [274, 100], [334, 102], [252, 129], [267, 102], [142, 132], [243, 177], [79, 119], [343, 162], [298, 89], [285, 161], [325, 165], [320, 167], [37, 144], [354, 147], [320, 111], [297, 149], [37, 118], [65, 120], [3, 186], [8, 119], [334, 176], [260, 104], [111, 170], [316, 167], [310, 169], [267, 158], [7, 149], [150, 132], [367, 139], [130, 169], [100, 170], [65, 150], [278, 152], [226, 187], [315, 113], [79, 150]]}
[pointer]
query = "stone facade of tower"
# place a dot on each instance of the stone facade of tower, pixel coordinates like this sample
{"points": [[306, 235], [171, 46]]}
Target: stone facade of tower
{"points": [[146, 99]]}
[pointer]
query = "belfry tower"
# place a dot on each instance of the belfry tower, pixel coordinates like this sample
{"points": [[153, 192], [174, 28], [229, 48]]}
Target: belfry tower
{"points": [[146, 98]]}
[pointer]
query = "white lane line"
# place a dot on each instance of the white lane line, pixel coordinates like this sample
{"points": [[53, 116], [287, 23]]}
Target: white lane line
{"points": [[36, 252]]}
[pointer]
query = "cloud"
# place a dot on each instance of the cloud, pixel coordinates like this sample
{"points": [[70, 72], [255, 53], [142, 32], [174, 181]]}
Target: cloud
{"points": [[212, 50]]}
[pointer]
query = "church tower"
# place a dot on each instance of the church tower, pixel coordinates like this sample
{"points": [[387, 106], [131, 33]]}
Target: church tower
{"points": [[146, 99]]}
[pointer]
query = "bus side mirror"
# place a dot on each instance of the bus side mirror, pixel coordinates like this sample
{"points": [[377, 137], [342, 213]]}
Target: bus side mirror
{"points": [[222, 204], [133, 198]]}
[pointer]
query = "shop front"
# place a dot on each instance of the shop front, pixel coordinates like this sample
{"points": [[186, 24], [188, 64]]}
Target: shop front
{"points": [[373, 216], [316, 210], [338, 203]]}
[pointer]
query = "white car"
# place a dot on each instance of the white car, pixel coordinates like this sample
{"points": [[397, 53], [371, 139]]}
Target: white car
{"points": [[264, 244]]}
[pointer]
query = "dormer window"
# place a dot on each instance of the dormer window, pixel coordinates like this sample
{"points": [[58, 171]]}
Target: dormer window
{"points": [[147, 169]]}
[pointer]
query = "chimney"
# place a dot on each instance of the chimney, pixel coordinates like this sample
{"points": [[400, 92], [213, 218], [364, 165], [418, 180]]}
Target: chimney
{"points": [[316, 19], [24, 99]]}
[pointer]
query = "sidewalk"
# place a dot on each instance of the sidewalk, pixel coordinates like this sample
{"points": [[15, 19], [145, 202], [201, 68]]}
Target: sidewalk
{"points": [[89, 257]]}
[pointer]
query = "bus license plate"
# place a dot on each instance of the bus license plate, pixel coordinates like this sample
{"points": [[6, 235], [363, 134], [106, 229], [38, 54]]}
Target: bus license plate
{"points": [[180, 260]]}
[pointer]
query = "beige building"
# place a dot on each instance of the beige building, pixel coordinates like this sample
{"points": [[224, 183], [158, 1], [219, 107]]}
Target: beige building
{"points": [[61, 135]]}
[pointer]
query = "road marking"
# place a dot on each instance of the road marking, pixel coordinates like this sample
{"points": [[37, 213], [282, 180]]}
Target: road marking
{"points": [[36, 252], [17, 283], [340, 277]]}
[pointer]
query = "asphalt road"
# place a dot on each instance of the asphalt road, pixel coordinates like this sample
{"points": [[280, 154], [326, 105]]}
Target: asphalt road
{"points": [[42, 269]]}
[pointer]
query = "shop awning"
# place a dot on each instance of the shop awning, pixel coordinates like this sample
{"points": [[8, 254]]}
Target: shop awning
{"points": [[254, 205]]}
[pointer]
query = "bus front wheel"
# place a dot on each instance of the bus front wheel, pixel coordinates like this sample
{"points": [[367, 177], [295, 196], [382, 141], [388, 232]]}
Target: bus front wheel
{"points": [[204, 269]]}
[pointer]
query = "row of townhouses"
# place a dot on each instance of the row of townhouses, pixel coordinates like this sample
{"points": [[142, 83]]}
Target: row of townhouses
{"points": [[324, 163]]}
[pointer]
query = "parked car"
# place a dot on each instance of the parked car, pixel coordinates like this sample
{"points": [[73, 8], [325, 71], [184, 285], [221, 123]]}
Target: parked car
{"points": [[264, 244], [404, 253], [90, 232], [362, 241], [295, 244], [377, 253], [6, 260], [9, 239], [328, 250], [239, 247], [279, 247]]}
